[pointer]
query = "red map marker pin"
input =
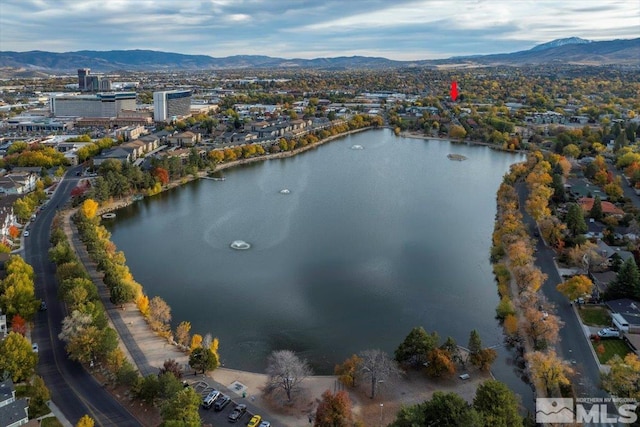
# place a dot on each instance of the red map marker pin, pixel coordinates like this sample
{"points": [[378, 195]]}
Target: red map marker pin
{"points": [[454, 90]]}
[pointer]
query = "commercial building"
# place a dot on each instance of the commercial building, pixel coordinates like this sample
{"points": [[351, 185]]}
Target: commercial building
{"points": [[92, 83], [171, 104], [98, 105]]}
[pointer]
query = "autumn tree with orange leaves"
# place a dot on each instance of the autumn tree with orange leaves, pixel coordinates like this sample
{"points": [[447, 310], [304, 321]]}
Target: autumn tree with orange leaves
{"points": [[162, 175], [334, 410]]}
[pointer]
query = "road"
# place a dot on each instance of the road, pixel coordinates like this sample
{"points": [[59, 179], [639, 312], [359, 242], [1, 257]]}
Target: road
{"points": [[573, 344], [73, 390]]}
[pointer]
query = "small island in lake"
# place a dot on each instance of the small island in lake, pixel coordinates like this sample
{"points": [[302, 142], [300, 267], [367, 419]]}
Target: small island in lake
{"points": [[458, 157]]}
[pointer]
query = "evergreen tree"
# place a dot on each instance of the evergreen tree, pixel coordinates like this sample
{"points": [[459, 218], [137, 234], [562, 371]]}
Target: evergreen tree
{"points": [[596, 211], [575, 220], [627, 282]]}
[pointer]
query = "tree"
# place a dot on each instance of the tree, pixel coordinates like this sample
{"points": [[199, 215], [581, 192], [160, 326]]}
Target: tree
{"points": [[182, 409], [159, 313], [85, 421], [203, 359], [575, 220], [485, 358], [73, 324], [19, 325], [334, 410], [439, 364], [377, 367], [626, 283], [443, 410], [548, 370], [457, 131], [39, 392], [286, 371], [182, 333], [142, 302], [497, 405], [17, 358], [415, 347], [596, 211], [162, 175], [196, 341], [623, 380], [575, 287], [349, 371], [475, 344], [89, 208], [170, 365], [540, 327]]}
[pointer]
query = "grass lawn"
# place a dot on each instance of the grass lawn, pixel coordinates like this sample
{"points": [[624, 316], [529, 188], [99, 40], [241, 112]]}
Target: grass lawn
{"points": [[611, 348], [595, 316], [50, 422]]}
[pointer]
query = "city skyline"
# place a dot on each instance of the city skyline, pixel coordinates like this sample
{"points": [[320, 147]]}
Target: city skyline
{"points": [[400, 30]]}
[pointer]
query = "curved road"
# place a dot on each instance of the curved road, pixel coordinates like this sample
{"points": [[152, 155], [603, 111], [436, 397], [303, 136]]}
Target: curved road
{"points": [[73, 390]]}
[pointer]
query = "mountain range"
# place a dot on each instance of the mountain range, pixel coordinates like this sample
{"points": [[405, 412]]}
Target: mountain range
{"points": [[571, 50]]}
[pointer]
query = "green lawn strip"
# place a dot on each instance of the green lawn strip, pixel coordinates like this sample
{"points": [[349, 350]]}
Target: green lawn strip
{"points": [[595, 316], [611, 348], [50, 422]]}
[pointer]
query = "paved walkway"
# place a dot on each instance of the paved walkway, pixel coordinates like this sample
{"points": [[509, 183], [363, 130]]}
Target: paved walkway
{"points": [[146, 350]]}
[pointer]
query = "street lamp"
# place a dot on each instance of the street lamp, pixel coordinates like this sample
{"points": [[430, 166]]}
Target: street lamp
{"points": [[381, 406]]}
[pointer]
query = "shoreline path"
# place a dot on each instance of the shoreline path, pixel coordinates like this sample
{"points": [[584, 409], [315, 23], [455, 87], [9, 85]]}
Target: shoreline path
{"points": [[148, 351]]}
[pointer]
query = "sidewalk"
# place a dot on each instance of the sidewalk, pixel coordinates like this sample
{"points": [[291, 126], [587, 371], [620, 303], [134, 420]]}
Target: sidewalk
{"points": [[146, 350]]}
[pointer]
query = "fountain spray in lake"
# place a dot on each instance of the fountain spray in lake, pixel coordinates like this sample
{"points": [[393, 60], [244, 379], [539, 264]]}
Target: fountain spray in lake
{"points": [[240, 245]]}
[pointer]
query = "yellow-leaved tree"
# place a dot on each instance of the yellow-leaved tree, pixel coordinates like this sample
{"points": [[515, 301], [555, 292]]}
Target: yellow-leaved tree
{"points": [[575, 287], [196, 341], [143, 304], [85, 421], [89, 208], [548, 369]]}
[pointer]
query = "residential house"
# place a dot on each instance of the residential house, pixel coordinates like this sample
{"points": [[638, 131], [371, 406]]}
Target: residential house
{"points": [[607, 252], [581, 187], [608, 208], [601, 280], [13, 412], [625, 314], [18, 182], [184, 139], [116, 153]]}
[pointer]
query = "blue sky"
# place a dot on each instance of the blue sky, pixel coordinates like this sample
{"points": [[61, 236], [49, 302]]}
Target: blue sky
{"points": [[394, 29]]}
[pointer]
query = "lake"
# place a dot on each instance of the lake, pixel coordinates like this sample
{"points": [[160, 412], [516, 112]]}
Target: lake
{"points": [[377, 234]]}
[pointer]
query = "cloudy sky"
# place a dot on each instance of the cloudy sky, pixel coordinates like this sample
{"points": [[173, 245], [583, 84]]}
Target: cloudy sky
{"points": [[395, 29]]}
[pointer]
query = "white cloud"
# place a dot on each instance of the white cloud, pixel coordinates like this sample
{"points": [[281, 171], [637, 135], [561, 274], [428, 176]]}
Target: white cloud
{"points": [[401, 29]]}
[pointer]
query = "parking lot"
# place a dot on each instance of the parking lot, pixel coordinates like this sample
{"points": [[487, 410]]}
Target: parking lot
{"points": [[220, 418]]}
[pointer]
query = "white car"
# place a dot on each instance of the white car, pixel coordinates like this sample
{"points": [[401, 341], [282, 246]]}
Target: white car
{"points": [[26, 234], [34, 347], [609, 333]]}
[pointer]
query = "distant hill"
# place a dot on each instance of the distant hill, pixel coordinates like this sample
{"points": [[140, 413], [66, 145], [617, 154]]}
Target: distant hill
{"points": [[569, 50], [560, 42]]}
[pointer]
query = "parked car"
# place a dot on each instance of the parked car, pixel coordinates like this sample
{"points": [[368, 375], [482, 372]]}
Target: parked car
{"points": [[609, 333], [255, 420], [222, 401], [34, 347], [265, 424], [210, 398], [26, 233], [237, 412], [43, 306]]}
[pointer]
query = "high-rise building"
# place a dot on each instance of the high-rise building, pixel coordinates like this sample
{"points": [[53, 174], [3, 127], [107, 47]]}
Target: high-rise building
{"points": [[92, 83], [82, 78], [171, 104], [98, 105]]}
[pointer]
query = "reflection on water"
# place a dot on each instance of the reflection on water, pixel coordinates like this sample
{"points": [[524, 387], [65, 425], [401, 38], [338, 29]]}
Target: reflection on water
{"points": [[369, 245]]}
